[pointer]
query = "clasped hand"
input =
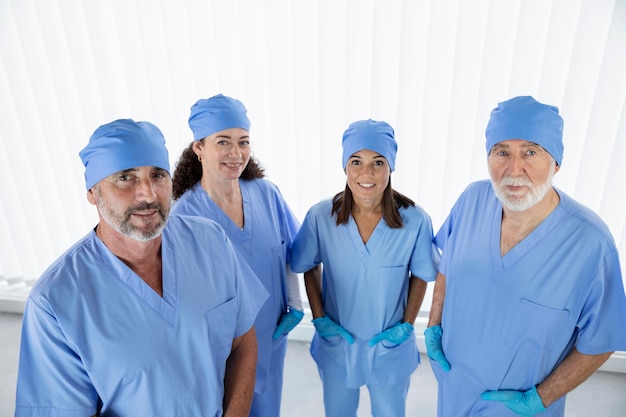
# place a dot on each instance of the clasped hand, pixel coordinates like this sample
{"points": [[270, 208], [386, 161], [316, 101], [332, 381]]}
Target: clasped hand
{"points": [[287, 322], [433, 336], [326, 327], [525, 403], [397, 334]]}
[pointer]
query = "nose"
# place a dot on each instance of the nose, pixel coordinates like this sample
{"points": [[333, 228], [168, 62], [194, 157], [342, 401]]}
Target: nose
{"points": [[145, 190], [516, 166], [235, 151]]}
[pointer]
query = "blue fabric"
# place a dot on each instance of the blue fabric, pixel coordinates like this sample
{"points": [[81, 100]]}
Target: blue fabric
{"points": [[364, 290], [525, 118], [93, 329], [215, 114], [509, 320], [265, 244], [387, 400], [123, 144], [371, 135]]}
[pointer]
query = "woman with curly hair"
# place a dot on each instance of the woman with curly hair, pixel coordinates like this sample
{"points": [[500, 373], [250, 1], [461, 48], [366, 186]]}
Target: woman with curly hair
{"points": [[216, 177]]}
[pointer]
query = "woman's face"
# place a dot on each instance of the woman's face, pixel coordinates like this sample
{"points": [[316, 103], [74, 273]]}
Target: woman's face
{"points": [[224, 154], [367, 175]]}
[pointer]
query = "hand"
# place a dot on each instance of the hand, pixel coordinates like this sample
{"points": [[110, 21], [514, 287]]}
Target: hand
{"points": [[525, 403], [433, 335], [395, 334], [326, 327], [288, 321]]}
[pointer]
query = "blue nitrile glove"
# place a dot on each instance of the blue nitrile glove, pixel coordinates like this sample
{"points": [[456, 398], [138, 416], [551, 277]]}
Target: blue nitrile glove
{"points": [[525, 403], [433, 335], [326, 327], [288, 321], [395, 334]]}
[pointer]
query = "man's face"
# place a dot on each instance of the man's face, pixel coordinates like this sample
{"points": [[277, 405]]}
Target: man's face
{"points": [[521, 173], [134, 202]]}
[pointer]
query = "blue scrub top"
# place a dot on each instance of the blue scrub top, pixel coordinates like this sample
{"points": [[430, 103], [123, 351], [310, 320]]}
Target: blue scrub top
{"points": [[364, 289], [94, 330], [509, 320], [265, 244]]}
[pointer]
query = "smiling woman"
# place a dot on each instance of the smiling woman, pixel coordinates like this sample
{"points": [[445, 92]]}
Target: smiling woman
{"points": [[304, 69]]}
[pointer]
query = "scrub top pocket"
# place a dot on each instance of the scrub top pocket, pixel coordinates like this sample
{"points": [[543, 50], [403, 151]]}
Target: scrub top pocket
{"points": [[536, 328]]}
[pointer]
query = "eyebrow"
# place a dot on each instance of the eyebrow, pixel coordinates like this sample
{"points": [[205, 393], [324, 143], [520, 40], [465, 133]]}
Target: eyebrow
{"points": [[230, 137], [360, 157]]}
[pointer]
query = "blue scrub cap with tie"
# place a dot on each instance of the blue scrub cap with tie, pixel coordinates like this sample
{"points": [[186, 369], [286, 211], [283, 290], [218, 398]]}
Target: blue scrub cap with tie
{"points": [[215, 114], [525, 118], [372, 135], [123, 144]]}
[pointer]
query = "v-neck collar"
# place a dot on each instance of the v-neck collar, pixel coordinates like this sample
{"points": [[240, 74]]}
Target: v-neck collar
{"points": [[518, 251], [366, 249], [165, 306]]}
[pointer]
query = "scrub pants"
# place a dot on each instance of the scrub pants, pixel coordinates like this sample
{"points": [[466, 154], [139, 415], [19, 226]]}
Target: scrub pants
{"points": [[386, 400], [267, 403]]}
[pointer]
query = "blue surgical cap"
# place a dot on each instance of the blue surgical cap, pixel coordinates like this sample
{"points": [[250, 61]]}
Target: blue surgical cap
{"points": [[372, 135], [215, 114], [527, 119], [123, 144]]}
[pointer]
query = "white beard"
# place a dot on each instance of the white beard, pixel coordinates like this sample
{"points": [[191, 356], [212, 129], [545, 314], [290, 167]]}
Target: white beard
{"points": [[522, 201]]}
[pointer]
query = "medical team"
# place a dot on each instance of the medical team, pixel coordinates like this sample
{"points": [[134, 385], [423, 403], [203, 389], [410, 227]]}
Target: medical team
{"points": [[179, 300]]}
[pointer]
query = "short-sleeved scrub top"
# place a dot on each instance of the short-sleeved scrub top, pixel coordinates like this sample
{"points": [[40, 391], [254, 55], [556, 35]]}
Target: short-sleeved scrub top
{"points": [[509, 320], [95, 333], [264, 243], [364, 289]]}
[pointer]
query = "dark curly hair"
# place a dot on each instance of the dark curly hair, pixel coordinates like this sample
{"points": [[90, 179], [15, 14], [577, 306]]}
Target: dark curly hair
{"points": [[189, 171], [392, 201]]}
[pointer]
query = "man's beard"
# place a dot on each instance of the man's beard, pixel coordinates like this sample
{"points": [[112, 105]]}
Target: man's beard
{"points": [[121, 223], [522, 201]]}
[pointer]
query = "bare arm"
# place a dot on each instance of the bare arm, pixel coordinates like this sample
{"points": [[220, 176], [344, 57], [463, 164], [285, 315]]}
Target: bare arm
{"points": [[570, 373], [313, 285], [240, 375], [439, 294], [417, 289]]}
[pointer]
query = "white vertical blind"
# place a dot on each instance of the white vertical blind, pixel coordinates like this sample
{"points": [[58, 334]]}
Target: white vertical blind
{"points": [[305, 70]]}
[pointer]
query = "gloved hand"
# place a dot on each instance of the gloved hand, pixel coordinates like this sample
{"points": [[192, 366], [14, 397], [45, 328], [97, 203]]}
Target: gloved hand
{"points": [[288, 321], [433, 335], [525, 403], [326, 327], [395, 334]]}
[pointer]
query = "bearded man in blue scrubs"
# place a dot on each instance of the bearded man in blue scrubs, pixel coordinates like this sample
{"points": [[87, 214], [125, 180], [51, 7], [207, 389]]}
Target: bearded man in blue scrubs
{"points": [[139, 318], [529, 299]]}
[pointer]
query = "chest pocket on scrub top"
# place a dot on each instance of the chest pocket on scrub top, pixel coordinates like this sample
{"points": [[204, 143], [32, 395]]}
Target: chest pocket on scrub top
{"points": [[535, 327]]}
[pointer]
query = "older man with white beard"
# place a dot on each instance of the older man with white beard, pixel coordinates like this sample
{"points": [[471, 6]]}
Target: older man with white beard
{"points": [[529, 299]]}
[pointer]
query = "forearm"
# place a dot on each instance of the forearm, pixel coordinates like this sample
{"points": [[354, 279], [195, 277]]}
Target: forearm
{"points": [[240, 375], [417, 289], [570, 373], [439, 294], [313, 286]]}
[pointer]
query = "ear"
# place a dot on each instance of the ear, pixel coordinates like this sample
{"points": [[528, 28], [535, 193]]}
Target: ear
{"points": [[91, 197], [196, 147], [556, 168]]}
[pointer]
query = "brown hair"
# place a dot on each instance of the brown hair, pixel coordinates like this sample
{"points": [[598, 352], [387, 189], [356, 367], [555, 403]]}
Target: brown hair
{"points": [[189, 171], [392, 201]]}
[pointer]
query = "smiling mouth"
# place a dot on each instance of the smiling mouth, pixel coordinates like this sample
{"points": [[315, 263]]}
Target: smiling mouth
{"points": [[366, 185]]}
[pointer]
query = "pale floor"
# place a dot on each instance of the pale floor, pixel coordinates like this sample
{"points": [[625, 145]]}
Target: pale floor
{"points": [[602, 395]]}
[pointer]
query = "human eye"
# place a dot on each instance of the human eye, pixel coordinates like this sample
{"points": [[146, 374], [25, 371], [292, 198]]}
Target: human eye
{"points": [[160, 174], [244, 142], [355, 162]]}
